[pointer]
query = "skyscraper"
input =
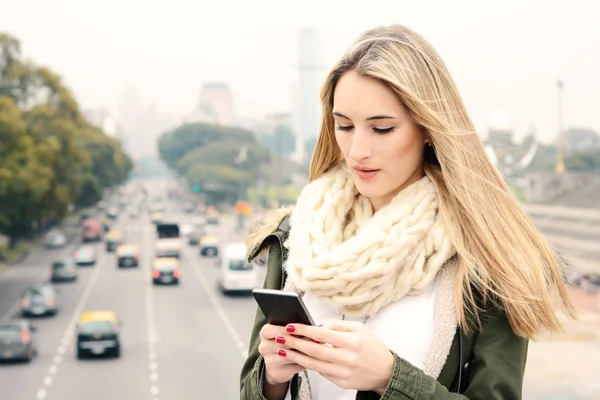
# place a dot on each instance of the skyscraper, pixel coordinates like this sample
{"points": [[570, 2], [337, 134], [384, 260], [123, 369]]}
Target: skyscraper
{"points": [[215, 105], [307, 107]]}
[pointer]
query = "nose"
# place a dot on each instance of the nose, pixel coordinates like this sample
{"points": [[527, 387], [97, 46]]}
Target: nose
{"points": [[361, 145]]}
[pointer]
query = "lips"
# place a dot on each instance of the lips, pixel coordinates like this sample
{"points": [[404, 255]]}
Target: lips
{"points": [[365, 173]]}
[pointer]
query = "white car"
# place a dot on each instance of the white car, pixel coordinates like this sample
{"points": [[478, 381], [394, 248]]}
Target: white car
{"points": [[85, 255], [55, 239], [235, 273]]}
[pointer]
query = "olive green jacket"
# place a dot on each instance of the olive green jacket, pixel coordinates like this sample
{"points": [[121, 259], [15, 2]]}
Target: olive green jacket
{"points": [[486, 364]]}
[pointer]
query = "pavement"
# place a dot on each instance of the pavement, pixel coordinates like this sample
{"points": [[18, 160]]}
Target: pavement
{"points": [[188, 342]]}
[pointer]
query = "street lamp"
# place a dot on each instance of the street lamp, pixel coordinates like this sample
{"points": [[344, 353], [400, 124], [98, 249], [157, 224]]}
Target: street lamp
{"points": [[560, 143]]}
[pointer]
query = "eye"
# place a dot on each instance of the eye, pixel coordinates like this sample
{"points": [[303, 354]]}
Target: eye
{"points": [[383, 130], [344, 128]]}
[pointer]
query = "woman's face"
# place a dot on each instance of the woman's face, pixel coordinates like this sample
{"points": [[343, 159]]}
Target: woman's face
{"points": [[381, 145]]}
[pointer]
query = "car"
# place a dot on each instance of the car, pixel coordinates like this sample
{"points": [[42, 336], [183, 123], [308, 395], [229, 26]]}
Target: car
{"points": [[55, 239], [98, 333], [156, 217], [16, 340], [209, 246], [166, 271], [113, 239], [212, 216], [188, 207], [128, 255], [235, 273], [39, 300], [112, 212], [91, 231], [195, 235], [85, 255], [63, 271]]}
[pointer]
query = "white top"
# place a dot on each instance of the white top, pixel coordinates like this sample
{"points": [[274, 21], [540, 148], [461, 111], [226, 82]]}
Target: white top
{"points": [[406, 327]]}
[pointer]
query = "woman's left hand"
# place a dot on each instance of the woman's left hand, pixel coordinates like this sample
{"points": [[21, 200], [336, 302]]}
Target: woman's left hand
{"points": [[354, 359]]}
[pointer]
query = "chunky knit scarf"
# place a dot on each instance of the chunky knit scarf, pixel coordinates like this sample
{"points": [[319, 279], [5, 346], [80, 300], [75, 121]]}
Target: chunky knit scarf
{"points": [[358, 261]]}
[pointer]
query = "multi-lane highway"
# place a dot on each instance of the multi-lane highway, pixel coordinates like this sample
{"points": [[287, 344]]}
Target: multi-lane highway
{"points": [[188, 342], [178, 342]]}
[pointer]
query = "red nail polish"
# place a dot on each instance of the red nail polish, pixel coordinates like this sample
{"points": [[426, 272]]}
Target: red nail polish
{"points": [[280, 339], [291, 328], [320, 325], [282, 352]]}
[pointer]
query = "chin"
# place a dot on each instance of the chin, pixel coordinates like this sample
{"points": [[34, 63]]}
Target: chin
{"points": [[369, 189]]}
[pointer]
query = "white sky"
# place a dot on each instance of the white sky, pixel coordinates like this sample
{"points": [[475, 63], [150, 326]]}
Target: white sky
{"points": [[504, 55]]}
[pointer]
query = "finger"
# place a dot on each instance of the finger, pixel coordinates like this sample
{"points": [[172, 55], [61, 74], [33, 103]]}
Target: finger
{"points": [[320, 350], [322, 334], [308, 362], [269, 331]]}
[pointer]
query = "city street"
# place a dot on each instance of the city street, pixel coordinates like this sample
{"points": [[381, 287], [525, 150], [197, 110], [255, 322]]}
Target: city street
{"points": [[188, 342]]}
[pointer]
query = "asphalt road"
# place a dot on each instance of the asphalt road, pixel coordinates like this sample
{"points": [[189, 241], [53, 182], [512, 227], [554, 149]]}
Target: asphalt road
{"points": [[188, 342], [178, 342]]}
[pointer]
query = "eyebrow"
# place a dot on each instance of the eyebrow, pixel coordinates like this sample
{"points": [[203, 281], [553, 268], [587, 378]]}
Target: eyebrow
{"points": [[337, 114]]}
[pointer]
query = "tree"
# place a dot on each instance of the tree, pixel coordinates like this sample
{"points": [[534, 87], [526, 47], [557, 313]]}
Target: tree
{"points": [[172, 146], [25, 176], [50, 156]]}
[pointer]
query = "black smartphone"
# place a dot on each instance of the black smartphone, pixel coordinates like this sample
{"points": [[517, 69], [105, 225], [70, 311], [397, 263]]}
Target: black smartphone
{"points": [[282, 308]]}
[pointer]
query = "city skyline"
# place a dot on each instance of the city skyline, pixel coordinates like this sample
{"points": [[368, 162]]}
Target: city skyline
{"points": [[504, 57]]}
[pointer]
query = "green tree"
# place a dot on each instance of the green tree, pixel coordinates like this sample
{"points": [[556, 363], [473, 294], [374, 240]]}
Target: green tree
{"points": [[50, 156], [172, 146], [25, 176]]}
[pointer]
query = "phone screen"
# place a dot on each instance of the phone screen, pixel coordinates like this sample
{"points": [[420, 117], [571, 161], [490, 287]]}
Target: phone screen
{"points": [[282, 308]]}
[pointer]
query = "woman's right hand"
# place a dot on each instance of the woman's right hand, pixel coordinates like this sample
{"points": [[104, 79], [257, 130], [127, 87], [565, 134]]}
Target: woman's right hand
{"points": [[278, 369]]}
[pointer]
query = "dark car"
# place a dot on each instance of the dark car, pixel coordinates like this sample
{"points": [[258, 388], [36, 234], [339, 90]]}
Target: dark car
{"points": [[195, 235], [98, 334], [38, 301], [16, 340], [63, 271], [166, 271]]}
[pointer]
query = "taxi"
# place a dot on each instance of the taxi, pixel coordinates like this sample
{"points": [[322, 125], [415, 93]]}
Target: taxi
{"points": [[128, 255], [209, 246], [98, 334], [113, 239], [212, 216], [166, 270]]}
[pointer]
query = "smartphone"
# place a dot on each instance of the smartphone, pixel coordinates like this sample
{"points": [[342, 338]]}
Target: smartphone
{"points": [[282, 308]]}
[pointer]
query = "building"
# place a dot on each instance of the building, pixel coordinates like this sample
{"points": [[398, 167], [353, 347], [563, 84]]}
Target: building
{"points": [[306, 118], [578, 140], [215, 105]]}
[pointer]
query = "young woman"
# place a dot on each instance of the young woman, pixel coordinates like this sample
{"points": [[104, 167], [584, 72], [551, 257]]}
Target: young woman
{"points": [[406, 245]]}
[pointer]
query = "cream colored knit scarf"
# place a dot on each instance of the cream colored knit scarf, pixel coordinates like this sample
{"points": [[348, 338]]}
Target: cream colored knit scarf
{"points": [[358, 261]]}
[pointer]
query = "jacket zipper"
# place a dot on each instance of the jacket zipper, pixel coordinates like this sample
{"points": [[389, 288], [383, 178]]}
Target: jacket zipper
{"points": [[460, 367]]}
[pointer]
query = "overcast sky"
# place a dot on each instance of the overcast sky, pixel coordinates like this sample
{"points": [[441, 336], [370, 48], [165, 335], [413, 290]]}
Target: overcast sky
{"points": [[504, 55]]}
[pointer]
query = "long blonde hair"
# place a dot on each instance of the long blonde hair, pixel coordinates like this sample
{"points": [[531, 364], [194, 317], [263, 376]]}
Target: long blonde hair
{"points": [[502, 254]]}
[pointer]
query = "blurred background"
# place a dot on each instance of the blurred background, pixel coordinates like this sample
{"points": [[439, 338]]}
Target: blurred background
{"points": [[153, 134]]}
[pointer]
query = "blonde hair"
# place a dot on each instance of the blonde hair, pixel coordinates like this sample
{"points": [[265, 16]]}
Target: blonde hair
{"points": [[502, 254]]}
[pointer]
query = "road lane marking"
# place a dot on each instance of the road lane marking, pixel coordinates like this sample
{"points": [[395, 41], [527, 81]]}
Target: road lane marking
{"points": [[12, 311], [150, 320], [68, 334], [235, 337]]}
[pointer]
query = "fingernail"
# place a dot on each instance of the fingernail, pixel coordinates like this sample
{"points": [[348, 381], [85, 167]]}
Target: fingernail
{"points": [[291, 328], [281, 352], [319, 325], [280, 339]]}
